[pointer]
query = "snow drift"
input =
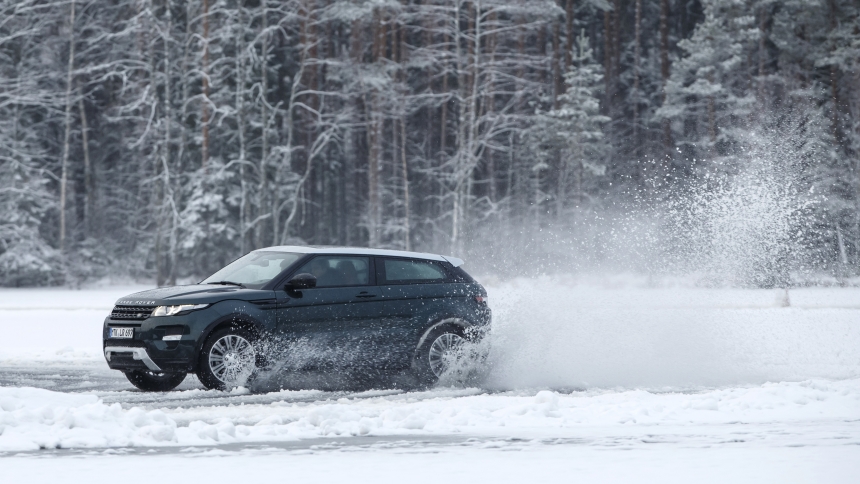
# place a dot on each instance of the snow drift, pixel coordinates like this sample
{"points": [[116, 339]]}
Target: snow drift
{"points": [[32, 419]]}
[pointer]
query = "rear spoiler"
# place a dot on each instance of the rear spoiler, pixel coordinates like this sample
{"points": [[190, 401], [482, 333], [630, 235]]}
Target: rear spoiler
{"points": [[453, 260]]}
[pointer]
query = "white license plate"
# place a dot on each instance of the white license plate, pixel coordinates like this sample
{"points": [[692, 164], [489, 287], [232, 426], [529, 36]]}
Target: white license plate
{"points": [[122, 332]]}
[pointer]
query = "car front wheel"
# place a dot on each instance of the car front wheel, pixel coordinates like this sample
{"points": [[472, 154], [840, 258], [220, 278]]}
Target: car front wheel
{"points": [[150, 381], [228, 359]]}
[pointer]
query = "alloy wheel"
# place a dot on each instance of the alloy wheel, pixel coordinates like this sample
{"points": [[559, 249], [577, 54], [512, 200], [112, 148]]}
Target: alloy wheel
{"points": [[443, 352], [232, 359]]}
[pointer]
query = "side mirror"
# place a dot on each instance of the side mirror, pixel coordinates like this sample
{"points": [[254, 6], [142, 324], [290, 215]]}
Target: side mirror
{"points": [[302, 281]]}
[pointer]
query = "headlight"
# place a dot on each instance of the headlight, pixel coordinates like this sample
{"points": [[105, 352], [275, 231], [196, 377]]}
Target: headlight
{"points": [[171, 310]]}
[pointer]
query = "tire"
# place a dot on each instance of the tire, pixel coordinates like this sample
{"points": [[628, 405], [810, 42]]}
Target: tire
{"points": [[436, 353], [228, 359], [149, 381]]}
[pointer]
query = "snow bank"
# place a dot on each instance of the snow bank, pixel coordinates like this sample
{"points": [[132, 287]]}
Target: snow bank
{"points": [[543, 413], [33, 419]]}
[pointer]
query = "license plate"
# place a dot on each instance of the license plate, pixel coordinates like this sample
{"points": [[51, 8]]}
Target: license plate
{"points": [[122, 332]]}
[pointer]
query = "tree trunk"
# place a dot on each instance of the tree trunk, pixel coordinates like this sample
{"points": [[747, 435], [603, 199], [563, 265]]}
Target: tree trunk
{"points": [[637, 54], [443, 116], [712, 122], [266, 201], [89, 181], [616, 41], [607, 60], [240, 121], [468, 84], [568, 49], [407, 216], [64, 176], [834, 78], [490, 104], [558, 79], [664, 74], [842, 266], [762, 56], [173, 239], [205, 116], [461, 131], [374, 128], [287, 163], [186, 87], [473, 149], [561, 186]]}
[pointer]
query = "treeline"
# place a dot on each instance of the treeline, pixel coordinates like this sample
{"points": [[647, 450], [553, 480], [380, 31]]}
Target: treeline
{"points": [[164, 138]]}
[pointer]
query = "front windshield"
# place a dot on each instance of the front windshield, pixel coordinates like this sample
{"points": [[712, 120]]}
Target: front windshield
{"points": [[253, 270]]}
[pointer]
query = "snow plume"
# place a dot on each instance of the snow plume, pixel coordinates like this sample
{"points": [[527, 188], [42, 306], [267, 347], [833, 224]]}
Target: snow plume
{"points": [[568, 332], [743, 223], [751, 218], [687, 323], [741, 233]]}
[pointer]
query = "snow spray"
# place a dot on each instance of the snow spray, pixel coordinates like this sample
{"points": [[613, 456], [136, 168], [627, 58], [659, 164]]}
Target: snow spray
{"points": [[712, 303]]}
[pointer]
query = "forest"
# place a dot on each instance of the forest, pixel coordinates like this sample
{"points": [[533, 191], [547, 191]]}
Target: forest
{"points": [[160, 139]]}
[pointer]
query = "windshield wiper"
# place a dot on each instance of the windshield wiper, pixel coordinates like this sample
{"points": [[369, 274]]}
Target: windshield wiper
{"points": [[227, 283]]}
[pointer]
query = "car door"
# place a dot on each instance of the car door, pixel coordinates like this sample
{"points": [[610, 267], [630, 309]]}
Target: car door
{"points": [[327, 326], [413, 293]]}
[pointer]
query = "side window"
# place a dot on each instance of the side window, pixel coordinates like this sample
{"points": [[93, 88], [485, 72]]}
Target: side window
{"points": [[338, 271], [400, 271]]}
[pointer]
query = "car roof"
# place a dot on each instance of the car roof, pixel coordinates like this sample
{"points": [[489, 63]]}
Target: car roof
{"points": [[307, 249]]}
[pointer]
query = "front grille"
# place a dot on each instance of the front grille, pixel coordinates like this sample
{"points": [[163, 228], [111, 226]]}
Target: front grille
{"points": [[131, 313]]}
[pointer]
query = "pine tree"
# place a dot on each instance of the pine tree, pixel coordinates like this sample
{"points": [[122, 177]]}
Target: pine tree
{"points": [[573, 133], [26, 258], [818, 46], [708, 95]]}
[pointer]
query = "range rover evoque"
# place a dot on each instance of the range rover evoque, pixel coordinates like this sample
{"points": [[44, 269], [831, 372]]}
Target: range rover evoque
{"points": [[282, 309]]}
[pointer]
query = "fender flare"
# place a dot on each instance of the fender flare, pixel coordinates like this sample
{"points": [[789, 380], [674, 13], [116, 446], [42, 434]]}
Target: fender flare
{"points": [[453, 321], [239, 318]]}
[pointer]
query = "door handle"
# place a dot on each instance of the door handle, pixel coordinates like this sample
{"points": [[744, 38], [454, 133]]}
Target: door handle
{"points": [[364, 294]]}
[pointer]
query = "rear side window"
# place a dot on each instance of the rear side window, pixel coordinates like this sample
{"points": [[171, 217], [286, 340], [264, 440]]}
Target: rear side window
{"points": [[460, 275], [402, 271]]}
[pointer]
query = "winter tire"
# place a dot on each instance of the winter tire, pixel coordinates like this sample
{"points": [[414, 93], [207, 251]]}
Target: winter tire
{"points": [[228, 359], [441, 348], [150, 381]]}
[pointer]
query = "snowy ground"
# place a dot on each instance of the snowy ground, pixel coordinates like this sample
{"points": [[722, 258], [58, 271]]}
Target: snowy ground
{"points": [[591, 380]]}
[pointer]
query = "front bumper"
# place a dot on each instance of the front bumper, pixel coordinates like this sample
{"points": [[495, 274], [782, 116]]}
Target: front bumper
{"points": [[147, 349]]}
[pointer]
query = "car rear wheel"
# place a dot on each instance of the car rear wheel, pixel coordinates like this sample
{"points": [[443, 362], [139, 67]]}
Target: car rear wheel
{"points": [[228, 359], [150, 381], [440, 354]]}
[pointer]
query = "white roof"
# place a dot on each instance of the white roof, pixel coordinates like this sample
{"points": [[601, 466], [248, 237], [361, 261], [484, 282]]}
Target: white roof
{"points": [[304, 249]]}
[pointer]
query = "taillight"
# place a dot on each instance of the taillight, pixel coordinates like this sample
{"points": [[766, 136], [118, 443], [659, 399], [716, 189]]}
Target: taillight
{"points": [[481, 299]]}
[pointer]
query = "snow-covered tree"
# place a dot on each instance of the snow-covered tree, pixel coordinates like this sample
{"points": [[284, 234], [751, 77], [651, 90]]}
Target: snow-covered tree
{"points": [[185, 133], [709, 94], [573, 133]]}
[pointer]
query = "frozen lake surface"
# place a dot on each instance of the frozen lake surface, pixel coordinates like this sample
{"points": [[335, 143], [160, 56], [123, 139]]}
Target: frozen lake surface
{"points": [[592, 380]]}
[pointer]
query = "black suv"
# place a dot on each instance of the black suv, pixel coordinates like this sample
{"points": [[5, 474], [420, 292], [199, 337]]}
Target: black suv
{"points": [[285, 309]]}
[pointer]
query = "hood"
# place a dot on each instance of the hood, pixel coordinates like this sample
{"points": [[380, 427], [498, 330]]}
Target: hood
{"points": [[191, 294]]}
